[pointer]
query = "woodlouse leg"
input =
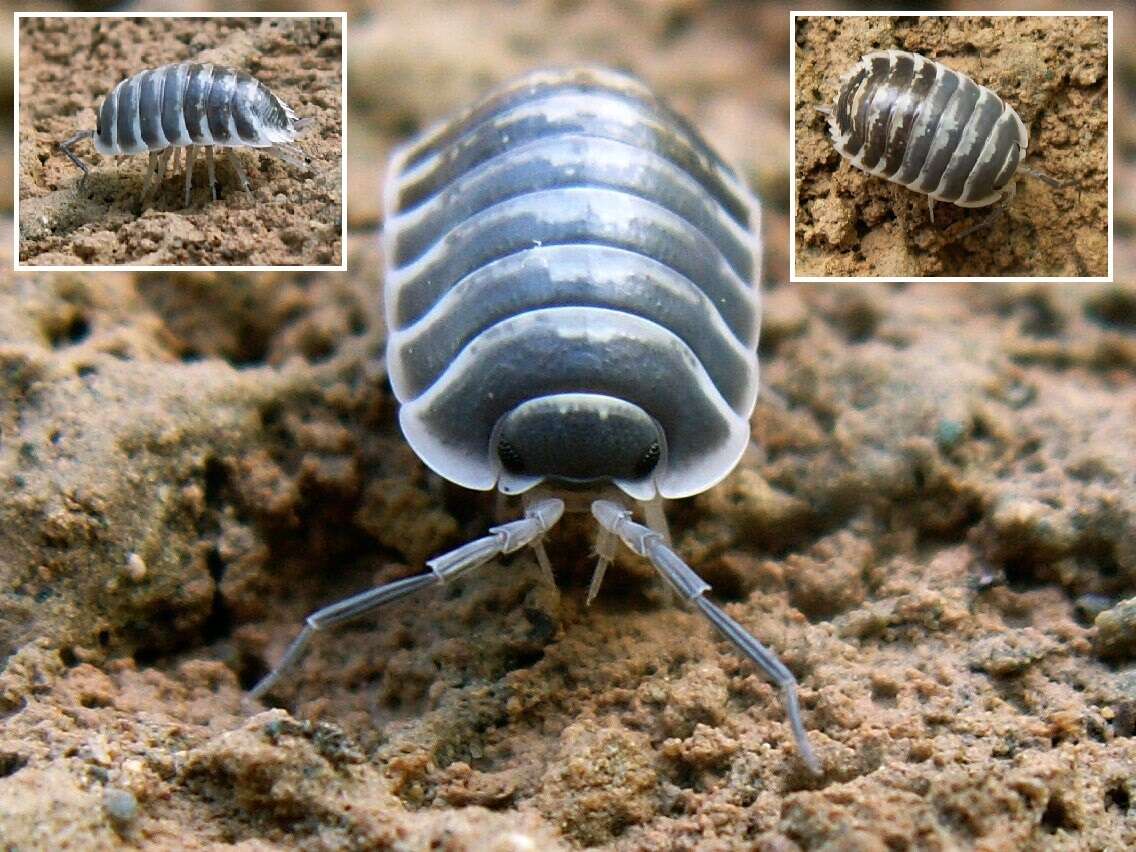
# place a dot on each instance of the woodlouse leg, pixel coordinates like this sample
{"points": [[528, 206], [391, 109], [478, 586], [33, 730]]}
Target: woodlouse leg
{"points": [[1004, 202], [986, 222], [692, 588], [65, 147], [290, 154], [212, 174], [931, 208], [544, 562], [656, 519], [606, 545], [190, 155], [239, 169], [151, 168], [1056, 183], [539, 519], [538, 545], [163, 162]]}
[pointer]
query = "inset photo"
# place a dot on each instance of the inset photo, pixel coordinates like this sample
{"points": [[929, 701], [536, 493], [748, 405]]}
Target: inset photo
{"points": [[179, 142], [961, 147]]}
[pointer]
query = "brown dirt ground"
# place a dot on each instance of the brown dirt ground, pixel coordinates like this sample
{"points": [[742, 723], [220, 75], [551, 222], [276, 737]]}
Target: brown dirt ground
{"points": [[67, 65], [935, 532], [1052, 70]]}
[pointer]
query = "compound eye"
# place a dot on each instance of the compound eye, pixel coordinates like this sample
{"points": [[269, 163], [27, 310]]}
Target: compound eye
{"points": [[648, 460], [510, 459]]}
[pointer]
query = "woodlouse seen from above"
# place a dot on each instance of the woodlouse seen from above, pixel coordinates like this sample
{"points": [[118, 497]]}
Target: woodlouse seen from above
{"points": [[916, 122], [191, 104], [572, 295]]}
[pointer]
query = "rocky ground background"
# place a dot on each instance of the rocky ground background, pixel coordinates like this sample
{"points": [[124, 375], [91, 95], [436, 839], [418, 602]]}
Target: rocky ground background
{"points": [[291, 217], [935, 531]]}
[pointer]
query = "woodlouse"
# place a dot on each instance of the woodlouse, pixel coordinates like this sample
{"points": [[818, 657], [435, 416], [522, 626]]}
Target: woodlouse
{"points": [[916, 122], [573, 297], [191, 104]]}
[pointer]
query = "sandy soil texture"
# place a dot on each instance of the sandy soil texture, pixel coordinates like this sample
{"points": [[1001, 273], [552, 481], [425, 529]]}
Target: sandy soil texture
{"points": [[293, 217], [1052, 71], [934, 530]]}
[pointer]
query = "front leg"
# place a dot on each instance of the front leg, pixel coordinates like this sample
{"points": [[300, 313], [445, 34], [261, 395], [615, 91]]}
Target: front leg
{"points": [[692, 588], [539, 519]]}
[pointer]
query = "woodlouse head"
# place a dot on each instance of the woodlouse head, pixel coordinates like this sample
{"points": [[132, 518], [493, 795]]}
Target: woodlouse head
{"points": [[578, 440]]}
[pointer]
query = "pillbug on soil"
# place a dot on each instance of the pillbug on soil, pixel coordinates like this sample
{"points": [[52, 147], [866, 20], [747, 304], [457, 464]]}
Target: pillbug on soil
{"points": [[186, 105], [916, 122], [572, 295]]}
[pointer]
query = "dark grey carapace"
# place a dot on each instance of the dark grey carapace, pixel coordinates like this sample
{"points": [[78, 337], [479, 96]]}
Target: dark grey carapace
{"points": [[572, 298], [916, 122], [572, 293], [162, 110]]}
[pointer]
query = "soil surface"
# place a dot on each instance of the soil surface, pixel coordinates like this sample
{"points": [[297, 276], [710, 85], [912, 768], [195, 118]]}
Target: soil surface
{"points": [[934, 530], [292, 216], [1053, 71]]}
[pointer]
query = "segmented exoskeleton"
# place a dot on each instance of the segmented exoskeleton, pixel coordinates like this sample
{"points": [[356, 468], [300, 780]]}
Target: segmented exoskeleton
{"points": [[186, 105], [916, 122]]}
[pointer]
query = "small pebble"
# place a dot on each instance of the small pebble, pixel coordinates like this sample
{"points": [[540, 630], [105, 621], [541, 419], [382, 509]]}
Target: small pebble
{"points": [[949, 432], [1116, 631], [135, 567], [120, 805]]}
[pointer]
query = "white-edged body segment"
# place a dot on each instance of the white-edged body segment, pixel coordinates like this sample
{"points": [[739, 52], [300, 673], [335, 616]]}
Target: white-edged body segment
{"points": [[916, 122], [571, 239], [190, 104]]}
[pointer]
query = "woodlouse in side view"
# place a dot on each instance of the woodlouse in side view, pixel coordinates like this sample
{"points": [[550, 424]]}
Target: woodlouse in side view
{"points": [[186, 105], [572, 294], [916, 122]]}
